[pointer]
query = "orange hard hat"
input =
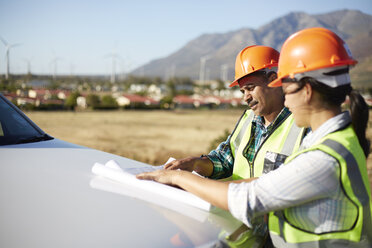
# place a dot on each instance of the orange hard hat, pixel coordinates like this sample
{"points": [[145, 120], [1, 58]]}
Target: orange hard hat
{"points": [[309, 50], [252, 59]]}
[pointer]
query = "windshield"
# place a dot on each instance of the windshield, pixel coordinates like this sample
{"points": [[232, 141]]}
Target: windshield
{"points": [[15, 128]]}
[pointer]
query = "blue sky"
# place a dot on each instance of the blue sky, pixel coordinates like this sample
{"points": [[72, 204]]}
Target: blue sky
{"points": [[82, 35]]}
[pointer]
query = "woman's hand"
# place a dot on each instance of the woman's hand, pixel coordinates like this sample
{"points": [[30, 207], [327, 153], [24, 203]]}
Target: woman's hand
{"points": [[212, 191], [161, 176]]}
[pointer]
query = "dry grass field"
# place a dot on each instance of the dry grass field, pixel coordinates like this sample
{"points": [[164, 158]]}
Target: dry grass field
{"points": [[147, 136]]}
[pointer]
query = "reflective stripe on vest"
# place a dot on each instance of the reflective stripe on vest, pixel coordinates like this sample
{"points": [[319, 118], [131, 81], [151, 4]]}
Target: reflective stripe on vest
{"points": [[282, 141], [291, 139], [241, 129], [284, 234]]}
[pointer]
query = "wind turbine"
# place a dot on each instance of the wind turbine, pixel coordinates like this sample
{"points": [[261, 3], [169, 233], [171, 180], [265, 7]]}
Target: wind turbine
{"points": [[55, 63], [173, 71], [224, 70], [28, 62], [7, 47], [203, 61], [125, 65], [114, 56], [72, 69], [142, 71], [170, 72]]}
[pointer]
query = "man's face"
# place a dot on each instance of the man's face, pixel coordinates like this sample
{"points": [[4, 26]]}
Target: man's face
{"points": [[262, 99]]}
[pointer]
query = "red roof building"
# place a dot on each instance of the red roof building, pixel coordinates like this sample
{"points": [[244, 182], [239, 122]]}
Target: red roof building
{"points": [[130, 99]]}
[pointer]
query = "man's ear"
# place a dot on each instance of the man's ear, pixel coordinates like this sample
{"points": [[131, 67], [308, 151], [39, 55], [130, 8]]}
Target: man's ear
{"points": [[272, 76]]}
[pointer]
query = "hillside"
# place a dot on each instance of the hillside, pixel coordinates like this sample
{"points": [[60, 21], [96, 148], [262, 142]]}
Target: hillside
{"points": [[221, 48]]}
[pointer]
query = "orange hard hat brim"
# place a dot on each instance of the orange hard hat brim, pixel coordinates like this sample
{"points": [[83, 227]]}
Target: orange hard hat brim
{"points": [[276, 83], [235, 83]]}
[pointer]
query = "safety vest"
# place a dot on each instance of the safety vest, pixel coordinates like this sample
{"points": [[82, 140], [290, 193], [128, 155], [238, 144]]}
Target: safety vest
{"points": [[280, 143], [356, 228]]}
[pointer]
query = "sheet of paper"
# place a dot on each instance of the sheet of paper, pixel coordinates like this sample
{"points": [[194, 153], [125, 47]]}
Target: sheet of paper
{"points": [[138, 170], [113, 171]]}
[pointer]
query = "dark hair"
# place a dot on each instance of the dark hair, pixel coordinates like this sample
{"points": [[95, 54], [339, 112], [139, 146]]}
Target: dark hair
{"points": [[359, 115], [261, 73], [334, 97]]}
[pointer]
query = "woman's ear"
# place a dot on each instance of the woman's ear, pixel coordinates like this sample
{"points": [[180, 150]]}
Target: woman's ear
{"points": [[308, 93]]}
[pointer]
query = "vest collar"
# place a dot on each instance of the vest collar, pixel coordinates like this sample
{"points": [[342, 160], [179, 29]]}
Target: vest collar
{"points": [[335, 123]]}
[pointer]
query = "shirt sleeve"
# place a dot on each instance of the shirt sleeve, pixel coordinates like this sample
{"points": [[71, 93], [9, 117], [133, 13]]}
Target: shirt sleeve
{"points": [[222, 159], [310, 176]]}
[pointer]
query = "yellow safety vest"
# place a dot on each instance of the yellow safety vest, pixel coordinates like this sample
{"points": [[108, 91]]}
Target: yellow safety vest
{"points": [[343, 145], [282, 142]]}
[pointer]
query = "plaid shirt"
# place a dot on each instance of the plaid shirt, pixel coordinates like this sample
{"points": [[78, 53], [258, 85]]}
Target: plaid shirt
{"points": [[223, 159]]}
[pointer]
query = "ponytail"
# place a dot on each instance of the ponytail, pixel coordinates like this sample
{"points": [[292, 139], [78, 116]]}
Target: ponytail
{"points": [[359, 116]]}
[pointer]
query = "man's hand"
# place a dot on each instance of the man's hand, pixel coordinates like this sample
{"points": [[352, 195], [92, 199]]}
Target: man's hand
{"points": [[201, 165], [187, 164]]}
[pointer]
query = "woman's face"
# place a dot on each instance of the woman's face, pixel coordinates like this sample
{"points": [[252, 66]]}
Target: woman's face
{"points": [[295, 101]]}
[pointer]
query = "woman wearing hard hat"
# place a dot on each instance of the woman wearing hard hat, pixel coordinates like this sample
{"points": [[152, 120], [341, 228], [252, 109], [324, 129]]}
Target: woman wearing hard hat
{"points": [[321, 197]]}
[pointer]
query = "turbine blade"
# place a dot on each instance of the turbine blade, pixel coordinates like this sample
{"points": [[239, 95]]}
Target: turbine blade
{"points": [[3, 41]]}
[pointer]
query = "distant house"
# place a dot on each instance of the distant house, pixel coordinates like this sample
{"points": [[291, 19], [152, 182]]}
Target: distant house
{"points": [[21, 92], [63, 94], [10, 96], [48, 94], [187, 102], [52, 101], [135, 88], [236, 101], [81, 102], [22, 101], [213, 100], [136, 101], [39, 99], [220, 102], [196, 101], [156, 92]]}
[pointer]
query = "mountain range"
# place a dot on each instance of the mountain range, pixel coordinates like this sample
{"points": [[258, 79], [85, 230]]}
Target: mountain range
{"points": [[220, 49]]}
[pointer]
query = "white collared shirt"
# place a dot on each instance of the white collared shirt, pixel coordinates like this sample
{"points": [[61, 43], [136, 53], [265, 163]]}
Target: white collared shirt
{"points": [[310, 182]]}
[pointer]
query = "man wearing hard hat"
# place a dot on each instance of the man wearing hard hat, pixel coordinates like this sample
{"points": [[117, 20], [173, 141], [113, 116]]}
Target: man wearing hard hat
{"points": [[265, 134]]}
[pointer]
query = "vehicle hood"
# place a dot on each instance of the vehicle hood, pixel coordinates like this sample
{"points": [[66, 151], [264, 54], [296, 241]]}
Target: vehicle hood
{"points": [[47, 200]]}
